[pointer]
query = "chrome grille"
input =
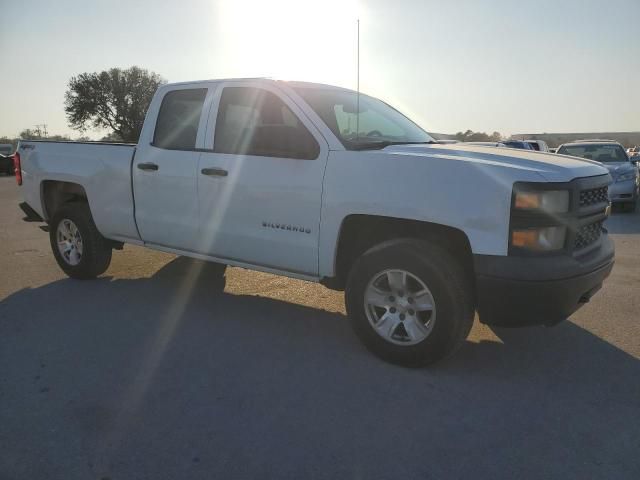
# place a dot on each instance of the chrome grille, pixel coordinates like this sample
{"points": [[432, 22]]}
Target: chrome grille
{"points": [[587, 235], [593, 196]]}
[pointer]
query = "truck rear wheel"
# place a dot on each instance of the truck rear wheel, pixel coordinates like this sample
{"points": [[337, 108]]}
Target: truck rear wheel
{"points": [[410, 302], [80, 250]]}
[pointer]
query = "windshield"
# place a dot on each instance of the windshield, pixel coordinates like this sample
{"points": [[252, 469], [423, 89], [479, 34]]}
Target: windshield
{"points": [[373, 125], [598, 152]]}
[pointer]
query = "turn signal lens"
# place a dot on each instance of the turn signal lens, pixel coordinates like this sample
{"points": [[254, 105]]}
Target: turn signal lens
{"points": [[539, 239], [524, 238]]}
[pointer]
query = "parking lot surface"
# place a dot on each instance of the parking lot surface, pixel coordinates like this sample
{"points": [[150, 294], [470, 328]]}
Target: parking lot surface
{"points": [[151, 373]]}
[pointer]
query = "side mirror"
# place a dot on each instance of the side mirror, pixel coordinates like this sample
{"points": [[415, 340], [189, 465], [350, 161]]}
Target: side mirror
{"points": [[635, 159]]}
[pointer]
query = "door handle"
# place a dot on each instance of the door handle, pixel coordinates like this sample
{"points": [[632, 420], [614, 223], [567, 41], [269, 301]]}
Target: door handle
{"points": [[148, 166], [219, 172]]}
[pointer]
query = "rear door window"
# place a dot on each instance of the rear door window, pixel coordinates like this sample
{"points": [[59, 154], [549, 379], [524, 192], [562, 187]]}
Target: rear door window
{"points": [[178, 119]]}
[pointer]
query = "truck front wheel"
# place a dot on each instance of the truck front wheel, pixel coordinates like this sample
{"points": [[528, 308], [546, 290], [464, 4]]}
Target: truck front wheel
{"points": [[80, 250], [410, 302]]}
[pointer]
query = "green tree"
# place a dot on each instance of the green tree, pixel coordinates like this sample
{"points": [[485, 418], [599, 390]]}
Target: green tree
{"points": [[115, 99], [471, 136], [112, 137], [495, 137], [28, 134]]}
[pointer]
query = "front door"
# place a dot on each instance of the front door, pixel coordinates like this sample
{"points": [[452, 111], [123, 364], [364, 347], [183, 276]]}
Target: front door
{"points": [[260, 186]]}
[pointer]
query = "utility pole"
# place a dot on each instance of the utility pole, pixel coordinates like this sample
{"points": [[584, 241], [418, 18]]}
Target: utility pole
{"points": [[358, 81]]}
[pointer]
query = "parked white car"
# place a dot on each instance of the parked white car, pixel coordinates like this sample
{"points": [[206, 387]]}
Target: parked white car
{"points": [[295, 179]]}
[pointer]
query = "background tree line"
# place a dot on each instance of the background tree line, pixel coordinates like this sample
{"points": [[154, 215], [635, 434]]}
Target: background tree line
{"points": [[470, 136]]}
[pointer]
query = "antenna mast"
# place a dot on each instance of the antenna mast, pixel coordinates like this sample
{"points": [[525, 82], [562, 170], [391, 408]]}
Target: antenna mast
{"points": [[358, 84]]}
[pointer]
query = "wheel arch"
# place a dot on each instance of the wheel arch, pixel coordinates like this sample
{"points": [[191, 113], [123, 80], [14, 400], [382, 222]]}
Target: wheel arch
{"points": [[55, 193], [360, 232]]}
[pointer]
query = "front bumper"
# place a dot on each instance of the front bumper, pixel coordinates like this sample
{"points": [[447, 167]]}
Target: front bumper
{"points": [[520, 291], [626, 191]]}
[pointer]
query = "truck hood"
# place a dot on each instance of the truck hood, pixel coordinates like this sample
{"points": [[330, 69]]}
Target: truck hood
{"points": [[552, 167]]}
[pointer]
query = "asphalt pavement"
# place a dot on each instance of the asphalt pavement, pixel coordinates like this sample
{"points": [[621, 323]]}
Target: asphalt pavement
{"points": [[151, 372]]}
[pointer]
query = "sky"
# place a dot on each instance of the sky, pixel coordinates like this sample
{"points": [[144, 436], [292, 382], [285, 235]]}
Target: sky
{"points": [[492, 65]]}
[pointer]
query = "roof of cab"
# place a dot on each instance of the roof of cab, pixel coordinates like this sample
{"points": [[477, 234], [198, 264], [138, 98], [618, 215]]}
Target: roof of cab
{"points": [[209, 80], [291, 83]]}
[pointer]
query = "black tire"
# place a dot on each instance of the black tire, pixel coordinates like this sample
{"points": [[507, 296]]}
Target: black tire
{"points": [[451, 289], [96, 250]]}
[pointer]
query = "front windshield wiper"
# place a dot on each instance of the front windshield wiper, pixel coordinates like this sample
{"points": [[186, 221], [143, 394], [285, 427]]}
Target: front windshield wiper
{"points": [[385, 143]]}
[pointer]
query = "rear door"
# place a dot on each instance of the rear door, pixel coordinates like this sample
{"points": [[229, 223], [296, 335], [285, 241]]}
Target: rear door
{"points": [[260, 183], [165, 169]]}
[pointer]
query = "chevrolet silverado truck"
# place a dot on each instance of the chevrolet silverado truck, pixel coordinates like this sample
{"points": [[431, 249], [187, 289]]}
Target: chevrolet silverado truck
{"points": [[325, 184]]}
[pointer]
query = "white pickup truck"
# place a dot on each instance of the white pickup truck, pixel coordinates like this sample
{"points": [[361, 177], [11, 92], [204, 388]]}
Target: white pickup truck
{"points": [[323, 184]]}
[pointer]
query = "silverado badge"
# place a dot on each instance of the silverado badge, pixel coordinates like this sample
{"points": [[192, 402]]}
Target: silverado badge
{"points": [[284, 226]]}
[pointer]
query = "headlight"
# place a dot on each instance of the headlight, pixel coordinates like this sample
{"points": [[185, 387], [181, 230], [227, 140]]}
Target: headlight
{"points": [[626, 176], [545, 239], [550, 201], [538, 219]]}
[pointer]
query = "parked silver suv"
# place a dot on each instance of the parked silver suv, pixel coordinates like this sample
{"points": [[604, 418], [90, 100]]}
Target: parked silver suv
{"points": [[624, 171]]}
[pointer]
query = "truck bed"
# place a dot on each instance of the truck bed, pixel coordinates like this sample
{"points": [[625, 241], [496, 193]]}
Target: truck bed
{"points": [[102, 169]]}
